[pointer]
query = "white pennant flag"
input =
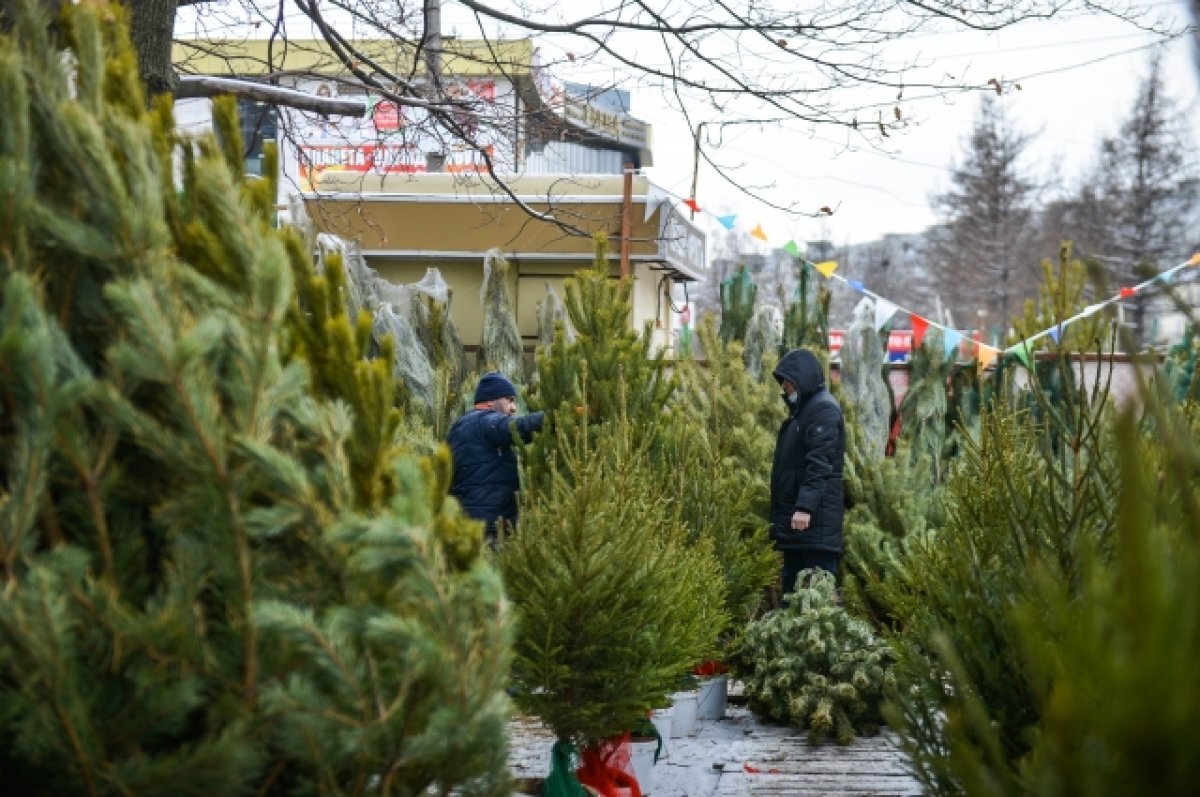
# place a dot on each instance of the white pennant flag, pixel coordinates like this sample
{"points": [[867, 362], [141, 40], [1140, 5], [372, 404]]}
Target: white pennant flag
{"points": [[884, 310], [655, 196]]}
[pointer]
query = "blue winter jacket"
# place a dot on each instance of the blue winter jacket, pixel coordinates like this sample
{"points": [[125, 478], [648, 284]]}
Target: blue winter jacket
{"points": [[486, 478]]}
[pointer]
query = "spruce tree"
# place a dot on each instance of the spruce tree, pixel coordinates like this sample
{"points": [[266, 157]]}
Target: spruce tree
{"points": [[217, 579]]}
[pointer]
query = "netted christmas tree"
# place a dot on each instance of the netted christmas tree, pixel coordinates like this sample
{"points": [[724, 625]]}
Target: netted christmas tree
{"points": [[1179, 367], [500, 347], [738, 293], [923, 410], [221, 577], [806, 319], [764, 338], [813, 665]]}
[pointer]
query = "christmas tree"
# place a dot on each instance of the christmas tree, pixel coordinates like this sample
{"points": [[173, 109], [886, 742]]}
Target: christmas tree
{"points": [[813, 665], [614, 604], [221, 575]]}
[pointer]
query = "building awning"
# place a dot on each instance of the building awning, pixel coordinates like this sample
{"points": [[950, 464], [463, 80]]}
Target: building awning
{"points": [[457, 216]]}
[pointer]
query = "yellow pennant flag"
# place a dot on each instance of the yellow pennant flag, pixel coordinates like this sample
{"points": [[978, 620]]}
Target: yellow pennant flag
{"points": [[1195, 260], [827, 268], [758, 233], [987, 356]]}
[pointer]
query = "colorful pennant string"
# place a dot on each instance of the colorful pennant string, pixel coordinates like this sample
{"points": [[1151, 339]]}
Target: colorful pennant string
{"points": [[951, 339]]}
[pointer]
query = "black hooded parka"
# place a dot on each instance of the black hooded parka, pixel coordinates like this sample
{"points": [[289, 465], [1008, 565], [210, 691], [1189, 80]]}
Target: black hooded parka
{"points": [[806, 475]]}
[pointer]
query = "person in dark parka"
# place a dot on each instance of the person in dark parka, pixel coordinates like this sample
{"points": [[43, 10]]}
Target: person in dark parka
{"points": [[486, 478], [807, 500]]}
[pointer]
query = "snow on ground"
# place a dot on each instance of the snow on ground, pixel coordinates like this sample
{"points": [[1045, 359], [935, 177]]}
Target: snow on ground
{"points": [[739, 755]]}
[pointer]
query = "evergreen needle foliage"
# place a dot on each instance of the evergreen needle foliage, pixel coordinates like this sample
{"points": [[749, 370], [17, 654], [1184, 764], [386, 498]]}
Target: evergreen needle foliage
{"points": [[716, 454], [1034, 494], [815, 666], [614, 604], [217, 579]]}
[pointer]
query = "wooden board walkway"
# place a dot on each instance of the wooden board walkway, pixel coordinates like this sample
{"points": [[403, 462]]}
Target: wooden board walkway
{"points": [[739, 756]]}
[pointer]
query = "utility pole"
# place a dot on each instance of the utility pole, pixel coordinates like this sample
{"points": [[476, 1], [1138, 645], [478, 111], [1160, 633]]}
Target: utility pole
{"points": [[696, 160], [626, 207]]}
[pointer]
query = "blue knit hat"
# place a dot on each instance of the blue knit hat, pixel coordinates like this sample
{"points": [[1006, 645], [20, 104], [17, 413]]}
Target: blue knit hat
{"points": [[493, 385]]}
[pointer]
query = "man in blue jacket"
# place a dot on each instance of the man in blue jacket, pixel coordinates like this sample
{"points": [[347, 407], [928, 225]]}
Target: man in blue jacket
{"points": [[486, 478], [807, 501]]}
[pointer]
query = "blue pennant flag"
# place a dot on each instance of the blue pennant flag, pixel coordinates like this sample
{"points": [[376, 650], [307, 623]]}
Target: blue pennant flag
{"points": [[1055, 332], [727, 221], [950, 340], [857, 285]]}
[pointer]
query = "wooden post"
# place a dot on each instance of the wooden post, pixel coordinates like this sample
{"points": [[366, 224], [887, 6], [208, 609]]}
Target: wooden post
{"points": [[626, 229]]}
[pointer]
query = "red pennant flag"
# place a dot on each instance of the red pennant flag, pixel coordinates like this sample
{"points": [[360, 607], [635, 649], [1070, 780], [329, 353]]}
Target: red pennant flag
{"points": [[919, 325], [692, 204], [1125, 293]]}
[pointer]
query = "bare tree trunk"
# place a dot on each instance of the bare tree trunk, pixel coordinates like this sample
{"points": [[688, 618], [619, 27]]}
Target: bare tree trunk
{"points": [[152, 27]]}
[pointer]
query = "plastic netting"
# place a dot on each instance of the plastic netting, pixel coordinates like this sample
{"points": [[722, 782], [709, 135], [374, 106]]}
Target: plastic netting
{"points": [[607, 767], [562, 781], [500, 348], [550, 313], [737, 304], [763, 337]]}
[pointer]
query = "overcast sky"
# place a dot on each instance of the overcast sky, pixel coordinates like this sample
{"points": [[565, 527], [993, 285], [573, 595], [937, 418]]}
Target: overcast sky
{"points": [[1079, 82]]}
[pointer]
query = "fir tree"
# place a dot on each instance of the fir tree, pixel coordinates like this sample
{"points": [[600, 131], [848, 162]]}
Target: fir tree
{"points": [[215, 581]]}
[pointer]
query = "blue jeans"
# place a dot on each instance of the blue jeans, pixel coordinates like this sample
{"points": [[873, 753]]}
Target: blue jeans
{"points": [[796, 560]]}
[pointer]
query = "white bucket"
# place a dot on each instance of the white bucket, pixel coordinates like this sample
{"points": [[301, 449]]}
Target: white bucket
{"points": [[663, 719], [683, 719], [641, 760], [714, 692]]}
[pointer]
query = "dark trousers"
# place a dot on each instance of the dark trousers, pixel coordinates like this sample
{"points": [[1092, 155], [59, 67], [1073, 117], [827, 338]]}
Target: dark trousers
{"points": [[796, 560]]}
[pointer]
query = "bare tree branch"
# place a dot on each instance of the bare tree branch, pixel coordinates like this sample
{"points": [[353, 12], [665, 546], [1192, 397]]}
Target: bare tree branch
{"points": [[205, 86]]}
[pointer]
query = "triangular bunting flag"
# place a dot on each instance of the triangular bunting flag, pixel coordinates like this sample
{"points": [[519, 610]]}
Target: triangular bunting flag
{"points": [[1021, 352], [987, 355], [792, 249], [857, 285], [692, 204], [920, 326], [884, 310], [827, 268], [1126, 293], [758, 233], [1055, 333], [951, 338], [727, 221], [1194, 260], [655, 196]]}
